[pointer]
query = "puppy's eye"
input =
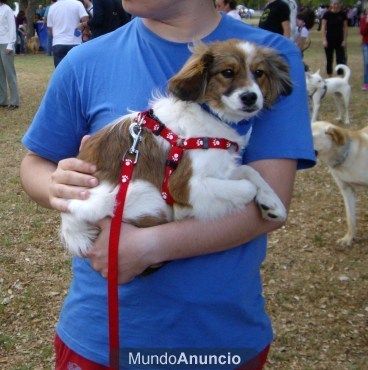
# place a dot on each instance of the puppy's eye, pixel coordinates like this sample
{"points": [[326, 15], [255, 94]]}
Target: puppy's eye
{"points": [[258, 73], [228, 73]]}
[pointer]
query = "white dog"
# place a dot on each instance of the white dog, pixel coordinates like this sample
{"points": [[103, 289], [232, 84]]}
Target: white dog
{"points": [[345, 152], [220, 85], [339, 87]]}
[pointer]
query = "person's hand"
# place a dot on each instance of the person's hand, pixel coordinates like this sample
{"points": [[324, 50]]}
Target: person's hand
{"points": [[343, 44], [324, 43], [71, 180], [8, 51], [134, 251]]}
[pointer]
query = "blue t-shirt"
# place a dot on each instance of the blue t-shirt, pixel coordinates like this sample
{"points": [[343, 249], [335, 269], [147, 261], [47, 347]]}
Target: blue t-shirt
{"points": [[212, 302]]}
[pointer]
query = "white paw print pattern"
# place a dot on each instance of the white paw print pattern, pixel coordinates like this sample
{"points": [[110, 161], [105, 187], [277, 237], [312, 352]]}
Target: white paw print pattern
{"points": [[175, 157], [185, 143], [170, 136], [164, 195], [156, 127], [199, 142], [215, 142], [228, 144], [124, 178]]}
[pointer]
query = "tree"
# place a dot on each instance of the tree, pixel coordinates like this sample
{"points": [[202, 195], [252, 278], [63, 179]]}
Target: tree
{"points": [[29, 7]]}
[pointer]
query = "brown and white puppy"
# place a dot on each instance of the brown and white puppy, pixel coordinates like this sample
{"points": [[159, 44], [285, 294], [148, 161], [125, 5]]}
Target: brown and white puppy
{"points": [[33, 45], [345, 152], [235, 79]]}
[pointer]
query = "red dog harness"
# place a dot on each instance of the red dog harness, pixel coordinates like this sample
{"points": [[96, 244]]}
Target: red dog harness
{"points": [[178, 146], [176, 152]]}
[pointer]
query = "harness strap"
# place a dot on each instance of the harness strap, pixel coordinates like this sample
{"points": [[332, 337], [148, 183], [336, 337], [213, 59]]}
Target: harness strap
{"points": [[113, 265], [178, 147]]}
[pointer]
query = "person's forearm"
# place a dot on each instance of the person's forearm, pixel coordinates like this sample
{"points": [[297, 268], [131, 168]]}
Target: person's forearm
{"points": [[35, 174], [191, 237], [286, 28], [323, 31], [345, 32]]}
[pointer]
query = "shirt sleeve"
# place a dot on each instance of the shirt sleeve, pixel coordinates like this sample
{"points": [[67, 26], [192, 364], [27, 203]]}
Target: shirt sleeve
{"points": [[304, 32], [284, 12], [82, 11], [11, 30], [50, 18], [59, 124]]}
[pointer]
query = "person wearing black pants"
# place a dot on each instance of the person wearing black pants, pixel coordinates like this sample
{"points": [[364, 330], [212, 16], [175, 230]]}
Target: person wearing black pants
{"points": [[334, 35]]}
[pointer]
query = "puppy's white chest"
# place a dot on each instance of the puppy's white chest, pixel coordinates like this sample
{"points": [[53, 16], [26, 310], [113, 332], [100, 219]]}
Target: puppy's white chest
{"points": [[214, 162]]}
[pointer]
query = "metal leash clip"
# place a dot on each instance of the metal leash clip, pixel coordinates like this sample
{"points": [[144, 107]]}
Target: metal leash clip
{"points": [[135, 131]]}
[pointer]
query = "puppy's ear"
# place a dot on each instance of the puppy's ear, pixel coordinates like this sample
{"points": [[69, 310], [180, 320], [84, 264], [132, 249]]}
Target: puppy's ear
{"points": [[278, 75], [190, 83], [336, 134]]}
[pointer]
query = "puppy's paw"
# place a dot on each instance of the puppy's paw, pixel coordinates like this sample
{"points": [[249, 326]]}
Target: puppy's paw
{"points": [[271, 206]]}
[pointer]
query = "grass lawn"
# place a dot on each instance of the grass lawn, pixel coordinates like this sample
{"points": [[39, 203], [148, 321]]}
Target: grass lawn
{"points": [[316, 294]]}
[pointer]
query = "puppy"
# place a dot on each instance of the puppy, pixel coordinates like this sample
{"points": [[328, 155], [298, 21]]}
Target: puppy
{"points": [[221, 84], [33, 45], [345, 152], [339, 87]]}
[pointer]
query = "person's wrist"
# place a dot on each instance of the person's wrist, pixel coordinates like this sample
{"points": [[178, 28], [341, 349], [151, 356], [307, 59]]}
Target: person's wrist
{"points": [[152, 252]]}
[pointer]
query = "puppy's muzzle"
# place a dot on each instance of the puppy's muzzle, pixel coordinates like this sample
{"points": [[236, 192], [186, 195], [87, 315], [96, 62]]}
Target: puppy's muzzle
{"points": [[249, 99]]}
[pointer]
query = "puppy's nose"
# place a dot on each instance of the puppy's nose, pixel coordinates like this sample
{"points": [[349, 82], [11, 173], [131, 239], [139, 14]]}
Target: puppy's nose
{"points": [[248, 98]]}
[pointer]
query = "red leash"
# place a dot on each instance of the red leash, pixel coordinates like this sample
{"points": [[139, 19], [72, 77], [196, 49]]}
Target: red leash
{"points": [[113, 263], [178, 146]]}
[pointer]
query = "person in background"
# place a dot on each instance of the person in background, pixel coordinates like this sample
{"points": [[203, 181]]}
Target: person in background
{"points": [[276, 18], [21, 24], [363, 28], [334, 35], [108, 15], [209, 297], [40, 11], [49, 33], [63, 20], [8, 76], [228, 7], [305, 21], [86, 32]]}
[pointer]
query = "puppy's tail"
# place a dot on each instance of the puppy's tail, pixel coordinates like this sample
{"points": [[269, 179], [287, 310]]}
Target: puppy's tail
{"points": [[343, 71]]}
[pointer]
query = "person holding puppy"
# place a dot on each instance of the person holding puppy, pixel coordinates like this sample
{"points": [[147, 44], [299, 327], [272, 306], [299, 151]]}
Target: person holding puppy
{"points": [[209, 297], [8, 75]]}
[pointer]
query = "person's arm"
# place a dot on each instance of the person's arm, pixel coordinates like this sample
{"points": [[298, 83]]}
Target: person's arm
{"points": [[50, 185], [286, 28], [140, 248], [12, 32], [324, 33], [363, 24], [345, 30]]}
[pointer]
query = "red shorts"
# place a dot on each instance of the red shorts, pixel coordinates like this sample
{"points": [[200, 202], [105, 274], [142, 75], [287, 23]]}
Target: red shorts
{"points": [[66, 359]]}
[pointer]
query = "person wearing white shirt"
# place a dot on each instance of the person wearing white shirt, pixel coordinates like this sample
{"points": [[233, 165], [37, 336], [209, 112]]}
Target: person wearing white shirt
{"points": [[8, 76], [228, 7], [63, 20]]}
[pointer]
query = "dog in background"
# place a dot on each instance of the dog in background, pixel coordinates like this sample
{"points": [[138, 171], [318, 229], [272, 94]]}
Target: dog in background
{"points": [[33, 44], [339, 87], [345, 152], [221, 84]]}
